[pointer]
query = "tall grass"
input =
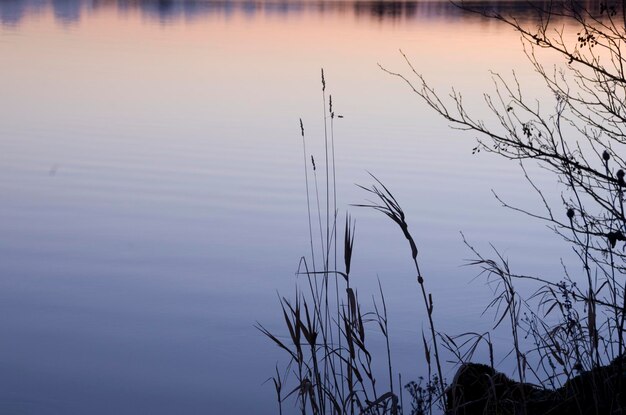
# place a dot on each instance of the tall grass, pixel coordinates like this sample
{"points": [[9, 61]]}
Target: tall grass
{"points": [[566, 339], [387, 204], [327, 341]]}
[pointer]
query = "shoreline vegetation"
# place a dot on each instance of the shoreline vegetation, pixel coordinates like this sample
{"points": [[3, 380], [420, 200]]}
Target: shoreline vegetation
{"points": [[574, 323], [71, 11]]}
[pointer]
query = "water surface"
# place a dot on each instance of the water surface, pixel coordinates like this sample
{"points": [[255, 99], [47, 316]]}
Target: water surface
{"points": [[153, 195]]}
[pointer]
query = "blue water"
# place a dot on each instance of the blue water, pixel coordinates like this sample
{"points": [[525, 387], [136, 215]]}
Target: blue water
{"points": [[153, 195]]}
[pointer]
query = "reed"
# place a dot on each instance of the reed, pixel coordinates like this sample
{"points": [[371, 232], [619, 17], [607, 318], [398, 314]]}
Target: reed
{"points": [[389, 206], [566, 338], [327, 341]]}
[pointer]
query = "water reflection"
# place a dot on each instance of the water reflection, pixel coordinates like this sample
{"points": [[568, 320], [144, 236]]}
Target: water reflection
{"points": [[12, 12], [66, 11]]}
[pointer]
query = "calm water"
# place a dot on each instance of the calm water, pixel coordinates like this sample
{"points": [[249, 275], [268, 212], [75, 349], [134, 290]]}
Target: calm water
{"points": [[153, 198]]}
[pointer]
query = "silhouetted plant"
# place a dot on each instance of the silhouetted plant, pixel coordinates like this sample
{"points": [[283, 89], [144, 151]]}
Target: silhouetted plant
{"points": [[574, 324], [421, 396], [327, 343], [388, 205], [581, 142]]}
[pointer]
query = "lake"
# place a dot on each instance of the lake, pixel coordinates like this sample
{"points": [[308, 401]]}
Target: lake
{"points": [[153, 194]]}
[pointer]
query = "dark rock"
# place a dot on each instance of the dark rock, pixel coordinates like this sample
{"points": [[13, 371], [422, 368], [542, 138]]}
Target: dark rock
{"points": [[478, 389]]}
